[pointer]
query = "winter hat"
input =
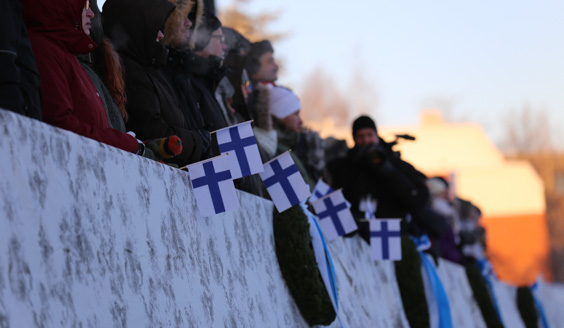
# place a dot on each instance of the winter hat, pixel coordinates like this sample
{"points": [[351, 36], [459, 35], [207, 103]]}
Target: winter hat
{"points": [[165, 147], [437, 185], [363, 122], [253, 58], [202, 35], [283, 102]]}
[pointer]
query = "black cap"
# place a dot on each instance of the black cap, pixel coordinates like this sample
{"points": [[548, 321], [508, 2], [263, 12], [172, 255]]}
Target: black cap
{"points": [[363, 122]]}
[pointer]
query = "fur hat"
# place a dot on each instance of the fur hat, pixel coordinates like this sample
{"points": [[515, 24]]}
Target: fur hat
{"points": [[363, 122], [258, 49], [283, 102], [202, 35]]}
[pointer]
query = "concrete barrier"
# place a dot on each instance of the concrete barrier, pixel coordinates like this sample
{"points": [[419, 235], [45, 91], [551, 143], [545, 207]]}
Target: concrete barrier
{"points": [[91, 236]]}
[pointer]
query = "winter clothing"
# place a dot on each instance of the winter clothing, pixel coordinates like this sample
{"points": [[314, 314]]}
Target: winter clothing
{"points": [[164, 148], [70, 99], [153, 110], [205, 74], [19, 75], [289, 141], [283, 102], [375, 172], [203, 34]]}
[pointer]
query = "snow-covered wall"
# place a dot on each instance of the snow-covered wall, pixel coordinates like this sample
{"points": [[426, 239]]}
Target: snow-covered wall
{"points": [[91, 236]]}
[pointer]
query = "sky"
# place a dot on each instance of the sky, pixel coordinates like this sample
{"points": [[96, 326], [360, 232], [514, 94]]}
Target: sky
{"points": [[485, 58]]}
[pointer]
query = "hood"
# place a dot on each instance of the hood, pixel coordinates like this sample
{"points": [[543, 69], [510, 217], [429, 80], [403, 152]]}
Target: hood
{"points": [[132, 26], [60, 20], [183, 8]]}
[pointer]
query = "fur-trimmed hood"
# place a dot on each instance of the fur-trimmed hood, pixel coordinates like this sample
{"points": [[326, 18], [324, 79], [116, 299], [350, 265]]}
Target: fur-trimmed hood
{"points": [[183, 8]]}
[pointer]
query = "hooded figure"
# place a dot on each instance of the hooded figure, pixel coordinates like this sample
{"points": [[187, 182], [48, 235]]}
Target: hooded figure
{"points": [[70, 100], [133, 27], [19, 76]]}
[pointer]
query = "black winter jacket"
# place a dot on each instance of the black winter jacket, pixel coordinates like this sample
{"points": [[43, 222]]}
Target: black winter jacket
{"points": [[153, 109]]}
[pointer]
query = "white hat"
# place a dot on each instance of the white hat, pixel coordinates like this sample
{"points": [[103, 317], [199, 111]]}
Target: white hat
{"points": [[283, 102]]}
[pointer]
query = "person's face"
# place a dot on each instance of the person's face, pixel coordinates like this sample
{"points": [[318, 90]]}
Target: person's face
{"points": [[216, 46], [365, 137], [293, 122], [160, 36], [87, 15], [268, 71], [180, 40]]}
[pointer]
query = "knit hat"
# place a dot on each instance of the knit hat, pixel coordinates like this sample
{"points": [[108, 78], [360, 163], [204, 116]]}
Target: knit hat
{"points": [[283, 102], [202, 35], [253, 58], [363, 122]]}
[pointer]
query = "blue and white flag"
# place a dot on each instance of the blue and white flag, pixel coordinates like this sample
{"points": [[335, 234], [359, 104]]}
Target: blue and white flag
{"points": [[368, 206], [213, 186], [334, 215], [321, 189], [284, 182], [240, 141], [385, 239]]}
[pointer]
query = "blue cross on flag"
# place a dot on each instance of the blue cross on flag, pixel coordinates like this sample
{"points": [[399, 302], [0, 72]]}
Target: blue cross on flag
{"points": [[334, 215], [321, 189], [213, 187], [284, 182], [240, 141], [385, 239]]}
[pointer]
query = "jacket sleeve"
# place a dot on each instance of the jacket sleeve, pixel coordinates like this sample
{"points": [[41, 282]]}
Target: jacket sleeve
{"points": [[10, 20], [59, 110], [148, 119]]}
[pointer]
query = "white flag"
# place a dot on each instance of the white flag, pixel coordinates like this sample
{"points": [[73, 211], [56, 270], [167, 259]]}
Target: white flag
{"points": [[385, 239], [284, 182], [334, 215], [213, 187], [239, 140]]}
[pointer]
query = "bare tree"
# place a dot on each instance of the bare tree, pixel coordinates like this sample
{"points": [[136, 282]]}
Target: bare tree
{"points": [[252, 26], [526, 131]]}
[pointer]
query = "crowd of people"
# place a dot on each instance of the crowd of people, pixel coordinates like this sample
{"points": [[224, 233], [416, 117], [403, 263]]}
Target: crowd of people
{"points": [[142, 70]]}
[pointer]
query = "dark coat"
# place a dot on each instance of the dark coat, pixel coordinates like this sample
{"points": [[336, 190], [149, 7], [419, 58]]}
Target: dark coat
{"points": [[70, 99], [400, 190], [19, 75], [153, 109], [205, 74]]}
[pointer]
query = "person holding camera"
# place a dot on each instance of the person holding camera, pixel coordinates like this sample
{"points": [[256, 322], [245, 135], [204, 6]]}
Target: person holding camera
{"points": [[372, 174]]}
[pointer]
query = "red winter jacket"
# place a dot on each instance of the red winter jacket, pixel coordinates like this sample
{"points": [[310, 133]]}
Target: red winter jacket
{"points": [[70, 99]]}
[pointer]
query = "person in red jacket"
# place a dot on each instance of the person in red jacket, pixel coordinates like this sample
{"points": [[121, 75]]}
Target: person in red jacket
{"points": [[58, 31]]}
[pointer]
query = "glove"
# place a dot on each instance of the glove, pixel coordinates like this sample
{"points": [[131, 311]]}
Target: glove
{"points": [[164, 148]]}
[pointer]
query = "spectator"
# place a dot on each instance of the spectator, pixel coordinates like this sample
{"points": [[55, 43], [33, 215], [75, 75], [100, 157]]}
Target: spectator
{"points": [[70, 101], [19, 75], [178, 67], [104, 61], [135, 29], [207, 70], [260, 63], [372, 172]]}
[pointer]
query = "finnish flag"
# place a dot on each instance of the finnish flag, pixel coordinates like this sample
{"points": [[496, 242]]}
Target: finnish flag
{"points": [[240, 140], [321, 189], [334, 215], [385, 239], [284, 182], [213, 187]]}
